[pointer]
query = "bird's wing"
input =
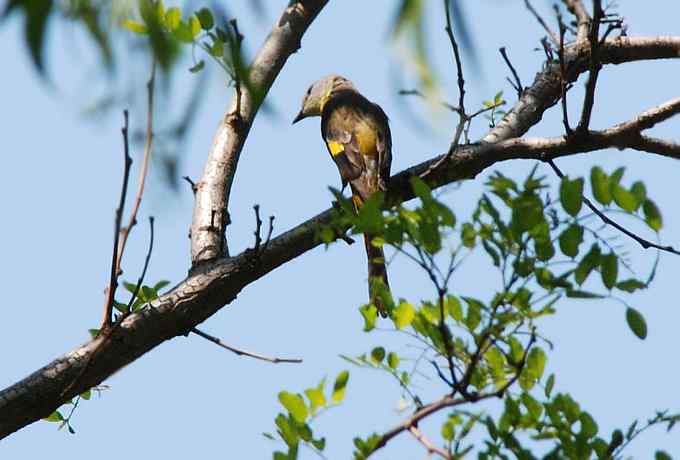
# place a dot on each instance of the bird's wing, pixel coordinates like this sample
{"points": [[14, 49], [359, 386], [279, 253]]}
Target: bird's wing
{"points": [[384, 147], [344, 149]]}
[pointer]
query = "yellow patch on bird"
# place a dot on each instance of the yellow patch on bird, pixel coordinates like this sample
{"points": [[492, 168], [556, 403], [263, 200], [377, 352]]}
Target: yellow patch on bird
{"points": [[367, 139], [336, 148]]}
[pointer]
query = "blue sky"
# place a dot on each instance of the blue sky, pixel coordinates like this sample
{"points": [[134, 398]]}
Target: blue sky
{"points": [[188, 397]]}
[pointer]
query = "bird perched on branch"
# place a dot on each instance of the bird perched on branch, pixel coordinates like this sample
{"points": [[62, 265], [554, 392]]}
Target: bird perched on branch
{"points": [[357, 135]]}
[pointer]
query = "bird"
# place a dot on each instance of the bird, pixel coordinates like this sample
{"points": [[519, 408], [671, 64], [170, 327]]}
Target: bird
{"points": [[357, 135]]}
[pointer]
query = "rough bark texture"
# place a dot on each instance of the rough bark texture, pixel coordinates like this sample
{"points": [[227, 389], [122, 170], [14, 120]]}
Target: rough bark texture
{"points": [[216, 283], [211, 214]]}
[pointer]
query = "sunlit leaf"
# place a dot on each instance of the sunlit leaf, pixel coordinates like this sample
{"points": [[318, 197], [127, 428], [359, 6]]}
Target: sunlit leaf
{"points": [[340, 386], [295, 405]]}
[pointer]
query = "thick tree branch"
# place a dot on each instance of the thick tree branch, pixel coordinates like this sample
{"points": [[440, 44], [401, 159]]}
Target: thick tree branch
{"points": [[546, 89], [215, 284], [213, 190]]}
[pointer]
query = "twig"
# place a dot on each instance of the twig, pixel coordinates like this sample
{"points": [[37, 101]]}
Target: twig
{"points": [[595, 66], [540, 20], [641, 241], [146, 265], [125, 231], [113, 279], [269, 233], [517, 84], [191, 183], [415, 92], [460, 79], [239, 352], [431, 448], [235, 60], [446, 338], [563, 73], [258, 228]]}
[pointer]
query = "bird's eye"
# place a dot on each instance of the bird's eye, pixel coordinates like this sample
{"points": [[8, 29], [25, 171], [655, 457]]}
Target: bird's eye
{"points": [[309, 91]]}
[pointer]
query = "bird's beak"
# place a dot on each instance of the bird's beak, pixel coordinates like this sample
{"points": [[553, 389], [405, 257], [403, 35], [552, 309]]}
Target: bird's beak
{"points": [[299, 117]]}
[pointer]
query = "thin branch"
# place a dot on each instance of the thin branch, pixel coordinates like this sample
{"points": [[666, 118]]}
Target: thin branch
{"points": [[146, 265], [148, 143], [460, 78], [113, 278], [595, 66], [563, 74], [517, 84], [258, 228], [646, 244], [240, 352], [550, 32], [191, 183], [431, 448]]}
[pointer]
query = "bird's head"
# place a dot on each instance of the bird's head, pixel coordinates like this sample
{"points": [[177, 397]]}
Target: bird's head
{"points": [[319, 93]]}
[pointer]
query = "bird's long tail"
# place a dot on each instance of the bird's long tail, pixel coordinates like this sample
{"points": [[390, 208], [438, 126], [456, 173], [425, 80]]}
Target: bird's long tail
{"points": [[377, 275]]}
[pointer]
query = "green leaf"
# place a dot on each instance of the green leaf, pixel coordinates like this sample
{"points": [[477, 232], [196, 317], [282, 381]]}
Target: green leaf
{"points": [[588, 426], [616, 176], [661, 455], [172, 18], [599, 181], [195, 26], [652, 215], [295, 405], [205, 17], [636, 322], [316, 397], [160, 285], [639, 191], [474, 313], [197, 67], [93, 332], [54, 417], [536, 362], [37, 14], [625, 199], [377, 355], [86, 395], [587, 264], [454, 308], [609, 269], [468, 235], [392, 360], [370, 314], [579, 294], [339, 386], [286, 431], [527, 212], [369, 218], [571, 195], [549, 385], [533, 407], [570, 239], [136, 27], [630, 285], [403, 314]]}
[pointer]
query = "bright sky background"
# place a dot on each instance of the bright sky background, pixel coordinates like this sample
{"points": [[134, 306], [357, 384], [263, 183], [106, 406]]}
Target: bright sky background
{"points": [[189, 398]]}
